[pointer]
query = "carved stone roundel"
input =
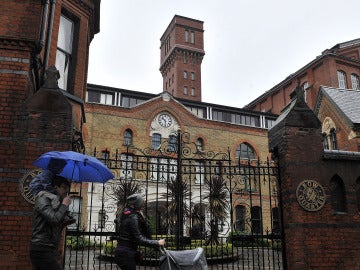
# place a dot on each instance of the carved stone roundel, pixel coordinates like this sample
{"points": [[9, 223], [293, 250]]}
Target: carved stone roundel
{"points": [[310, 195], [24, 185]]}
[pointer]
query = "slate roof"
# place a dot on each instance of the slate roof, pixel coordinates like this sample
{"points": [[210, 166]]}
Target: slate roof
{"points": [[346, 100]]}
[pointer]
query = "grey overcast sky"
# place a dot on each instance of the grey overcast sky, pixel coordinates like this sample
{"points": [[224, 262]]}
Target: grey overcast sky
{"points": [[249, 45]]}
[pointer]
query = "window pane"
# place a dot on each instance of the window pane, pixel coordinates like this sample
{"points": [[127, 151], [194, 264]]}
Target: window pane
{"points": [[240, 218], [355, 81], [93, 96], [245, 151], [65, 37], [186, 36], [75, 212], [125, 102], [106, 99], [128, 137], [341, 79], [63, 67], [200, 172], [156, 140]]}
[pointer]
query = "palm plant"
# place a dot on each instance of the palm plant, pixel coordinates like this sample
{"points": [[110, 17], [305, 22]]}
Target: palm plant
{"points": [[177, 192], [122, 189], [217, 207]]}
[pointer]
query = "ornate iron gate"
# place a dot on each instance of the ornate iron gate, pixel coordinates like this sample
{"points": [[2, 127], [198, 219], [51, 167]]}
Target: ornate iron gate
{"points": [[194, 198]]}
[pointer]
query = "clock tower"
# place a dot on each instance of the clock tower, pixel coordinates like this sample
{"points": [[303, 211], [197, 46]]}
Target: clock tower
{"points": [[182, 51]]}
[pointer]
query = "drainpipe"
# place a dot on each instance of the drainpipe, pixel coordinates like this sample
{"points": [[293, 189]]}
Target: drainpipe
{"points": [[36, 58], [48, 38]]}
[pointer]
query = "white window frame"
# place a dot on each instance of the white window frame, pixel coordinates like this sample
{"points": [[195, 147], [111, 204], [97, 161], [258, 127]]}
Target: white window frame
{"points": [[342, 79], [354, 81], [64, 50]]}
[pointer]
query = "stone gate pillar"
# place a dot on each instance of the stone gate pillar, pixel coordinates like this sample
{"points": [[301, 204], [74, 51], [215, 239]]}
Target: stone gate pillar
{"points": [[316, 237]]}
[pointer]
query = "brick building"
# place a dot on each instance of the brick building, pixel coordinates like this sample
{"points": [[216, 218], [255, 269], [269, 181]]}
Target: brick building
{"points": [[36, 115], [336, 68], [119, 118]]}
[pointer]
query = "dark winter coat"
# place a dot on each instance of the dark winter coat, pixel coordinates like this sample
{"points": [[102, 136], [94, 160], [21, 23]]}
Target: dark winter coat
{"points": [[133, 230], [48, 218]]}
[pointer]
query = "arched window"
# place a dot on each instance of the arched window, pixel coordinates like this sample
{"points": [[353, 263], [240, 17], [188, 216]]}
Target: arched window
{"points": [[199, 144], [256, 220], [155, 141], [128, 137], [245, 151], [354, 81], [337, 195], [240, 211], [341, 79]]}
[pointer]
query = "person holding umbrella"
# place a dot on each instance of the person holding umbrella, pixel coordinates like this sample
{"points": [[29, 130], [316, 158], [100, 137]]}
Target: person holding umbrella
{"points": [[132, 230], [49, 219], [52, 201]]}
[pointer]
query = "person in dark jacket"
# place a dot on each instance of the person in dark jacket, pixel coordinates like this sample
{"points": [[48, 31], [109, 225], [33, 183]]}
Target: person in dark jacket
{"points": [[132, 231], [49, 219]]}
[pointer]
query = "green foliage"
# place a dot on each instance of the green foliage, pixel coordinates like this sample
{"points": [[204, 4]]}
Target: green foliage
{"points": [[78, 242], [109, 247]]}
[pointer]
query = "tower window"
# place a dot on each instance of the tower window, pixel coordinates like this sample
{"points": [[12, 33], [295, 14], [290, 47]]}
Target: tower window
{"points": [[192, 37], [185, 90], [185, 74], [186, 36], [192, 76], [193, 91]]}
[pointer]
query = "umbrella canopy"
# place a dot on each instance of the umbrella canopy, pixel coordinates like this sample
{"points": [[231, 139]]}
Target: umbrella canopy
{"points": [[77, 167]]}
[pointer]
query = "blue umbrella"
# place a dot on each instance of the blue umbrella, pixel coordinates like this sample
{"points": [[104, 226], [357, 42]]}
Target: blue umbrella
{"points": [[77, 166]]}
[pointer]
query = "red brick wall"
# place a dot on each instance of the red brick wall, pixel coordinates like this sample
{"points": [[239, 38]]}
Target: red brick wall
{"points": [[27, 130], [321, 239]]}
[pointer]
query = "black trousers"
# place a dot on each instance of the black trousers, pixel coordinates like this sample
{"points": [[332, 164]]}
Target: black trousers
{"points": [[45, 260], [125, 258]]}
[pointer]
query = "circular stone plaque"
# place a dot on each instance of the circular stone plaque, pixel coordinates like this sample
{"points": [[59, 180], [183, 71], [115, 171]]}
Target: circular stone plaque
{"points": [[310, 195]]}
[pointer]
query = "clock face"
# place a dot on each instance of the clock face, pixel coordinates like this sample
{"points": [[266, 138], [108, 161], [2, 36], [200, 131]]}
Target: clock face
{"points": [[165, 120]]}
